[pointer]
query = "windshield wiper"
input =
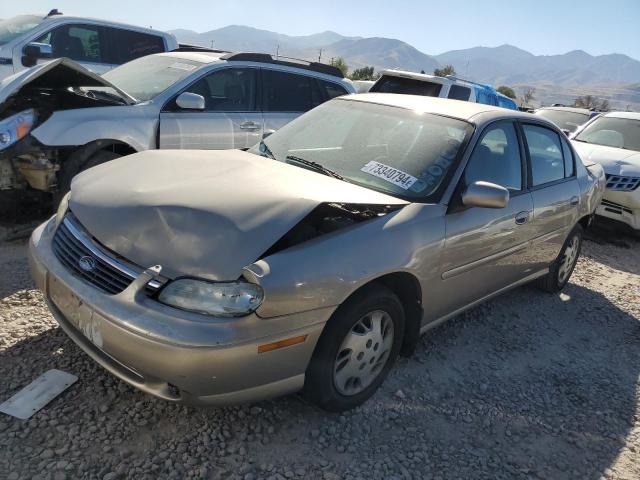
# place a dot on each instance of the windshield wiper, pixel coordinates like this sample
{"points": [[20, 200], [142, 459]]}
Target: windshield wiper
{"points": [[316, 166]]}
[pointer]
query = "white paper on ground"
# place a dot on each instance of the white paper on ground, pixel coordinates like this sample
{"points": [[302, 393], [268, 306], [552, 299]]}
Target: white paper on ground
{"points": [[38, 393]]}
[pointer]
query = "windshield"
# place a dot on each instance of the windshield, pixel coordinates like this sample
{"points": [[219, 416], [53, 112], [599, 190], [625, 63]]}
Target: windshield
{"points": [[16, 26], [392, 150], [612, 132], [149, 76], [564, 119]]}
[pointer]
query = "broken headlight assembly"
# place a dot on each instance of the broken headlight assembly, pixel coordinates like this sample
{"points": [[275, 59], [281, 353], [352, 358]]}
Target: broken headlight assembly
{"points": [[222, 299], [16, 127]]}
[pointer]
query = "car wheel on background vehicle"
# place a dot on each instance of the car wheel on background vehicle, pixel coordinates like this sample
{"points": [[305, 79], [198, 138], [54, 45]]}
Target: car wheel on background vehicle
{"points": [[76, 163], [356, 350], [560, 271]]}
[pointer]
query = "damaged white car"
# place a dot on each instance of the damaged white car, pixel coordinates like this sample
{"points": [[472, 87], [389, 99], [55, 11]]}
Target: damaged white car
{"points": [[613, 141], [312, 260], [58, 118]]}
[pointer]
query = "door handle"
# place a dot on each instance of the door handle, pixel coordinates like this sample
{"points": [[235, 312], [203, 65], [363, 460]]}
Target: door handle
{"points": [[522, 217], [574, 201], [249, 126]]}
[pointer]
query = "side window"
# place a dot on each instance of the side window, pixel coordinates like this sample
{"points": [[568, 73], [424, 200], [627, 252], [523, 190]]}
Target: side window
{"points": [[81, 43], [130, 45], [545, 152], [228, 90], [496, 158], [569, 168], [288, 92], [331, 90], [458, 92]]}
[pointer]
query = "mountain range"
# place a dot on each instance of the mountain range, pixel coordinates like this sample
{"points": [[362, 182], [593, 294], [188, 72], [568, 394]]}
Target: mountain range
{"points": [[557, 78]]}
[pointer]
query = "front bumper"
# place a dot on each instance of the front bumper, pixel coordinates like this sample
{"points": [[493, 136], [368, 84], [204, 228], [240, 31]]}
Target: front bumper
{"points": [[175, 355], [621, 206]]}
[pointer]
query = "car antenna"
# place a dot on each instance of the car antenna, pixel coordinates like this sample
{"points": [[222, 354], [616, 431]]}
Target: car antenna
{"points": [[53, 12]]}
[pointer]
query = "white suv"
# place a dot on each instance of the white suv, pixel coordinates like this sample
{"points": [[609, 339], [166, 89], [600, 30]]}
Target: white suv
{"points": [[400, 81], [98, 45]]}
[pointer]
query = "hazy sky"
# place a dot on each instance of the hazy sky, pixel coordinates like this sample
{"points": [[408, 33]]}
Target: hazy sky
{"points": [[539, 26]]}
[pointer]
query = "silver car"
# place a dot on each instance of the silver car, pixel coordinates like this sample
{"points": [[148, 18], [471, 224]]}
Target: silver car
{"points": [[312, 260], [58, 118]]}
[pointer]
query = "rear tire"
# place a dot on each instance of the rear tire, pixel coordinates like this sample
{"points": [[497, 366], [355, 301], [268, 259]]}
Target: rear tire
{"points": [[356, 350], [561, 269], [75, 164]]}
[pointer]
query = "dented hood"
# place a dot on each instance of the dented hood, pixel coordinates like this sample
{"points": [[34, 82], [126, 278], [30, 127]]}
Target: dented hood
{"points": [[60, 73], [614, 161], [202, 213]]}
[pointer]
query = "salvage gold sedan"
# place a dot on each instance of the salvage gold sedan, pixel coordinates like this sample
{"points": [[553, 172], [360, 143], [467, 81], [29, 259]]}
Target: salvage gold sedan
{"points": [[311, 261]]}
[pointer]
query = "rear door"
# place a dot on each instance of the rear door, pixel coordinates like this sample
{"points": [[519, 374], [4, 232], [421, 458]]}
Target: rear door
{"points": [[286, 95], [555, 190], [485, 248], [230, 118]]}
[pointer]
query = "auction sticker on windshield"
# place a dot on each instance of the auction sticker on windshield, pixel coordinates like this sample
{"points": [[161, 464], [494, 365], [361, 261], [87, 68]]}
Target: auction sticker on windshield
{"points": [[390, 174]]}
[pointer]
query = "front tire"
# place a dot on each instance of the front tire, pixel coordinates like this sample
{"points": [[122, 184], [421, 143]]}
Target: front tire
{"points": [[356, 350], [561, 269]]}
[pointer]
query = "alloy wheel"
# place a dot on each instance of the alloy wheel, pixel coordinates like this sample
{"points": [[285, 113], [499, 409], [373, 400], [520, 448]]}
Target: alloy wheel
{"points": [[569, 259]]}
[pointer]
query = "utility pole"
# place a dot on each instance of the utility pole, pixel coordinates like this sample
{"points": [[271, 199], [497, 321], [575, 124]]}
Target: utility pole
{"points": [[277, 50], [212, 44], [320, 56]]}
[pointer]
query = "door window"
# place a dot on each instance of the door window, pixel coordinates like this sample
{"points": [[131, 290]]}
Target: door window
{"points": [[332, 90], [545, 152], [288, 92], [130, 45], [228, 90], [81, 43], [569, 168], [496, 158]]}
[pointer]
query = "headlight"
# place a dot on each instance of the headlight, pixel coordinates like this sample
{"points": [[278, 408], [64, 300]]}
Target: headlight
{"points": [[16, 127], [224, 299], [62, 209]]}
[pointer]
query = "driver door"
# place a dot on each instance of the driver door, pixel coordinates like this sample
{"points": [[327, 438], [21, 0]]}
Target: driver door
{"points": [[485, 248], [229, 120]]}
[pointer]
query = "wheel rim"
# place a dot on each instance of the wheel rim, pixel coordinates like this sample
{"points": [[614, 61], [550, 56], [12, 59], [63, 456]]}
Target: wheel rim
{"points": [[569, 259], [363, 353]]}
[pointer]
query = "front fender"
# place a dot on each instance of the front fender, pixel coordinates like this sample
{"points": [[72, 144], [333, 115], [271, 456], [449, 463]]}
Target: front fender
{"points": [[325, 271]]}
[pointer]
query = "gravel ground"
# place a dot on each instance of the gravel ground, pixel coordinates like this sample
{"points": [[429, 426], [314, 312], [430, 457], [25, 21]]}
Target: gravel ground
{"points": [[530, 385]]}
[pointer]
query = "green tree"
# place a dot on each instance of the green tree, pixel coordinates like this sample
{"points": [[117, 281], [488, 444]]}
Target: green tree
{"points": [[364, 73], [340, 64], [507, 91], [444, 71]]}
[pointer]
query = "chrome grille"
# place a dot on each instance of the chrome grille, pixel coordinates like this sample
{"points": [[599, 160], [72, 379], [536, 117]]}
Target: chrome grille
{"points": [[74, 247], [622, 183]]}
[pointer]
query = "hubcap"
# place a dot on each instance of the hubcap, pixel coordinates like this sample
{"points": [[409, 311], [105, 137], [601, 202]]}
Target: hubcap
{"points": [[568, 260], [363, 353]]}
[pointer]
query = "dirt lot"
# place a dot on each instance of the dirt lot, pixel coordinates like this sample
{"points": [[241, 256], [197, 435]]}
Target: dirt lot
{"points": [[530, 385]]}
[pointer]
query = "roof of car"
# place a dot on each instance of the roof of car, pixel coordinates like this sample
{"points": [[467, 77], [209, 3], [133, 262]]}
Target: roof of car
{"points": [[440, 106], [202, 57], [629, 115], [584, 111]]}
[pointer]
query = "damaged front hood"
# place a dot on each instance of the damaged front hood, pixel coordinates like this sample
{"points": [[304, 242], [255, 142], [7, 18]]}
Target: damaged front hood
{"points": [[614, 161], [58, 74], [202, 213]]}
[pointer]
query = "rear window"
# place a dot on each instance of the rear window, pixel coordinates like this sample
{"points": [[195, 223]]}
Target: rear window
{"points": [[409, 86], [131, 45], [566, 120], [332, 90]]}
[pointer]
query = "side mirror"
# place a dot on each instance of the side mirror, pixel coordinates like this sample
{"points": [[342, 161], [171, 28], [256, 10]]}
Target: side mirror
{"points": [[485, 195], [190, 101], [33, 51]]}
